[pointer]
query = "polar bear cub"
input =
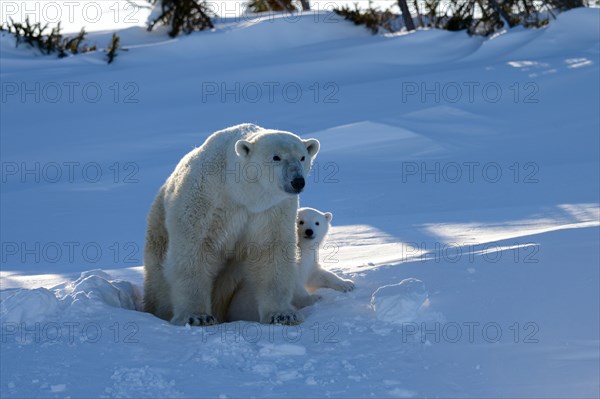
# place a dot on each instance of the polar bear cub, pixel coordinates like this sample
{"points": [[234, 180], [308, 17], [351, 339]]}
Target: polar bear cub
{"points": [[312, 227]]}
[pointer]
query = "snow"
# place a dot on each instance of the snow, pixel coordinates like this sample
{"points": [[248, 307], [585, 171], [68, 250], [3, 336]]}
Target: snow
{"points": [[28, 306], [463, 175], [400, 303]]}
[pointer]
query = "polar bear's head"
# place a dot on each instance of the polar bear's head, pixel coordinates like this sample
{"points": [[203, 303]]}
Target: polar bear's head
{"points": [[279, 161], [312, 225]]}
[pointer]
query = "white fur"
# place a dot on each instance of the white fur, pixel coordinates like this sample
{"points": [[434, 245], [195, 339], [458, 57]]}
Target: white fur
{"points": [[309, 273], [224, 219]]}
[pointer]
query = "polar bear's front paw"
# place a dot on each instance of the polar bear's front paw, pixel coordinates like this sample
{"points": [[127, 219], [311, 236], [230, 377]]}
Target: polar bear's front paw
{"points": [[201, 320], [195, 320], [289, 319]]}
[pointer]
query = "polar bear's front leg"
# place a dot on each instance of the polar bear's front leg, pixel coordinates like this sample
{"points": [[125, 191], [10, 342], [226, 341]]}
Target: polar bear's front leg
{"points": [[191, 305], [273, 298], [275, 288], [190, 280]]}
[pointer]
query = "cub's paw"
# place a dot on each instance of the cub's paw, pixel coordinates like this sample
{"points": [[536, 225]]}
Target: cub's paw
{"points": [[343, 285], [286, 318], [195, 320]]}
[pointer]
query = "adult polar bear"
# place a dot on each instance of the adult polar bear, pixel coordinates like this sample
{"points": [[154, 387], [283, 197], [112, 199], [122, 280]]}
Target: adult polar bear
{"points": [[226, 216]]}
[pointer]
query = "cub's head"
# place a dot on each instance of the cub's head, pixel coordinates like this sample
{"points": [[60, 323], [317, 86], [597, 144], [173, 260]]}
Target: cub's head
{"points": [[312, 225], [278, 161]]}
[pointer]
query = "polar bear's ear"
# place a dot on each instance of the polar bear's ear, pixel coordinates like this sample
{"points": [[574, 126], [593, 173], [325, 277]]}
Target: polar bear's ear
{"points": [[312, 146], [328, 216], [242, 148]]}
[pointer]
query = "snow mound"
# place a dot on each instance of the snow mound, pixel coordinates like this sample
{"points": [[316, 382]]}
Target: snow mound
{"points": [[93, 289], [97, 287], [31, 305], [403, 302]]}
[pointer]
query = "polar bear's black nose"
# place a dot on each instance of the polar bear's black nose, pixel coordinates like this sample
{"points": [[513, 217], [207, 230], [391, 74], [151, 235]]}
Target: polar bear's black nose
{"points": [[298, 184], [309, 232]]}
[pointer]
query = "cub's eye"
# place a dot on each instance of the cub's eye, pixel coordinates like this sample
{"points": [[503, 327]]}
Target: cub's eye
{"points": [[276, 158], [302, 159], [301, 222], [317, 223]]}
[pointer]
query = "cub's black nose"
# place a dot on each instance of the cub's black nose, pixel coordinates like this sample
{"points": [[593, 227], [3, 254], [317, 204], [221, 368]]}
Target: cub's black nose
{"points": [[309, 232], [298, 184]]}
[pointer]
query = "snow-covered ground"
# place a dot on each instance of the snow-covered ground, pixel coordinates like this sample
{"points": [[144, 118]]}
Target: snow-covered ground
{"points": [[463, 175]]}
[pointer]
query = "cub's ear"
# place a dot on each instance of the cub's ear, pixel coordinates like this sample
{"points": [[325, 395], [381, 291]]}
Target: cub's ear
{"points": [[328, 216], [312, 146], [242, 148]]}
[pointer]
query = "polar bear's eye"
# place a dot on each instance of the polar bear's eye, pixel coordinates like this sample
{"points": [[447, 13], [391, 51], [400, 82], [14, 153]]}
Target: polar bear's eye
{"points": [[301, 222], [302, 159], [276, 158], [317, 223]]}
